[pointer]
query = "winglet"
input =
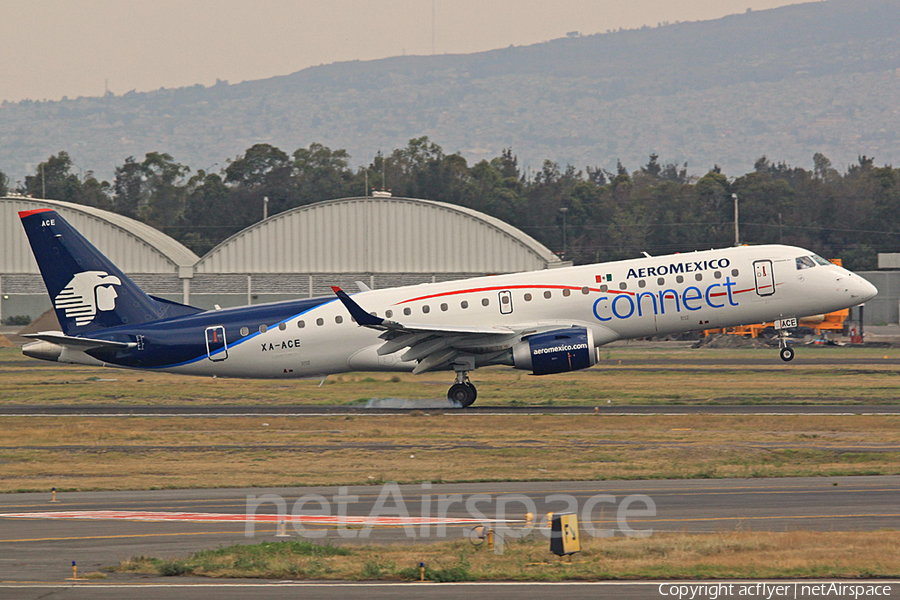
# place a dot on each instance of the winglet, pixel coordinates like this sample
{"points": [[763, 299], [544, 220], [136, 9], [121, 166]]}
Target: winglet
{"points": [[356, 311]]}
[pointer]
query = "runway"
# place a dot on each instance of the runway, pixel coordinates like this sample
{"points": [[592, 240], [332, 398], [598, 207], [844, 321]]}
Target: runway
{"points": [[36, 551], [226, 410]]}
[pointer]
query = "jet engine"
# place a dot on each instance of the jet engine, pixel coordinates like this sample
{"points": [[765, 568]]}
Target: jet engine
{"points": [[557, 351]]}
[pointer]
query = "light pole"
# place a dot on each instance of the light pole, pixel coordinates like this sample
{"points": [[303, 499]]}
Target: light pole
{"points": [[564, 210], [265, 207], [737, 235]]}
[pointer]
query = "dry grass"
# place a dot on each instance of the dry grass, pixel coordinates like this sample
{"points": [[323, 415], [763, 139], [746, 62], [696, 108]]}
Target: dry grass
{"points": [[681, 376], [37, 453], [753, 555]]}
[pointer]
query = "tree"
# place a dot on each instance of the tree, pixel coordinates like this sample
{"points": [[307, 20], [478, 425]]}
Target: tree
{"points": [[4, 184], [162, 179], [321, 173], [263, 171], [53, 180], [128, 188], [209, 215]]}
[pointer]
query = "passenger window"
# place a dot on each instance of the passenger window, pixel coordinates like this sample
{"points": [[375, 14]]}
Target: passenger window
{"points": [[699, 276], [485, 302], [301, 324], [244, 331], [282, 326], [426, 309], [263, 328], [567, 292], [734, 272], [679, 279], [585, 290], [527, 297], [464, 304], [623, 286], [407, 311], [320, 321], [604, 288], [388, 314], [339, 319], [504, 299], [661, 281], [444, 307], [805, 262], [547, 294], [718, 274], [642, 283]]}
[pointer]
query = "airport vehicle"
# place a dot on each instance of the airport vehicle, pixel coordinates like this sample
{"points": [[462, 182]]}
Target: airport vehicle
{"points": [[549, 321]]}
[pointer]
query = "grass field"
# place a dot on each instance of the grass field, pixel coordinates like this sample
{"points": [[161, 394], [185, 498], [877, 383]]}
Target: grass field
{"points": [[37, 453], [121, 453], [625, 376], [750, 555]]}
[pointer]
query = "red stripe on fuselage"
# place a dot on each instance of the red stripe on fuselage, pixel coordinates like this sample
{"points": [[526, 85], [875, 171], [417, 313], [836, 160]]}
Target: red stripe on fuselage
{"points": [[539, 287], [500, 288]]}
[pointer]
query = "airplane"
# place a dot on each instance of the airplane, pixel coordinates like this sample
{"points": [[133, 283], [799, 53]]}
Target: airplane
{"points": [[549, 321]]}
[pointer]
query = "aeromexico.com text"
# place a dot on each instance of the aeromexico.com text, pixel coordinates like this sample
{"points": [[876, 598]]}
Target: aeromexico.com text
{"points": [[563, 348]]}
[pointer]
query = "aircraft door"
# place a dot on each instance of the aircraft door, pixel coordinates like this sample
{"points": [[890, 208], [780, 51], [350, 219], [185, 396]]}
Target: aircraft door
{"points": [[765, 279], [506, 306], [216, 347]]}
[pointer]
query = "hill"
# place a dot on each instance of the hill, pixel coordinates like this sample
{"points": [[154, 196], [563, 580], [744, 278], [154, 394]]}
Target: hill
{"points": [[788, 82]]}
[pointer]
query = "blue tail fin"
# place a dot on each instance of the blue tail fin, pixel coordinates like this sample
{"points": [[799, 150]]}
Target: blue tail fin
{"points": [[88, 291]]}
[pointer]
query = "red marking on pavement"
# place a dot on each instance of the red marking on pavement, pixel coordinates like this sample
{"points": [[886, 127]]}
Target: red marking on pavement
{"points": [[140, 515]]}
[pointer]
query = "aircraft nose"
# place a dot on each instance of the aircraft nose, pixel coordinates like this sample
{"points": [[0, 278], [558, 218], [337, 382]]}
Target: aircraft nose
{"points": [[867, 290]]}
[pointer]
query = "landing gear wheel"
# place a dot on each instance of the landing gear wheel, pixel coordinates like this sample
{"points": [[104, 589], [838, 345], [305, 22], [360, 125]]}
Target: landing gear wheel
{"points": [[463, 394], [787, 354]]}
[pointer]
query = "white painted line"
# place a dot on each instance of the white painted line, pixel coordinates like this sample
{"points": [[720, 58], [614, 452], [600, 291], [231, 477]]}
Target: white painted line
{"points": [[194, 517]]}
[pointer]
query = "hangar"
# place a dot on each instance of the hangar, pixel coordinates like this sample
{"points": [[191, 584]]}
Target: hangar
{"points": [[379, 241]]}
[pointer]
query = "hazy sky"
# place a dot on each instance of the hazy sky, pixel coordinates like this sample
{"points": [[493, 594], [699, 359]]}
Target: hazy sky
{"points": [[55, 48]]}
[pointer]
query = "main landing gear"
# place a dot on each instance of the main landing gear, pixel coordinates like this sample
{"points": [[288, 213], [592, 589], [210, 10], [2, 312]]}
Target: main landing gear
{"points": [[462, 392]]}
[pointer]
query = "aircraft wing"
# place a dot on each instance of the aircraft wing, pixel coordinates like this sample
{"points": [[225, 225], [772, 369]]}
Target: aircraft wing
{"points": [[77, 343], [433, 346]]}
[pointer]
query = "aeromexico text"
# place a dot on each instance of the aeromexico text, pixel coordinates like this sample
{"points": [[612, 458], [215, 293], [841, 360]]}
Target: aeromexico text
{"points": [[672, 269]]}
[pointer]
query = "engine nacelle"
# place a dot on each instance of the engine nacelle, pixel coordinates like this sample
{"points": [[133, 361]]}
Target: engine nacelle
{"points": [[557, 351]]}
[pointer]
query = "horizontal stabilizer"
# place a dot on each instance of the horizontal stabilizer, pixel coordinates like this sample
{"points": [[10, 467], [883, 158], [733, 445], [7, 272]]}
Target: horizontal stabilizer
{"points": [[77, 343]]}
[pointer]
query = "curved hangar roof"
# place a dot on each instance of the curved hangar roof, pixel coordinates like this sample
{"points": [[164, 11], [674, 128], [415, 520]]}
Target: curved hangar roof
{"points": [[132, 245], [378, 235]]}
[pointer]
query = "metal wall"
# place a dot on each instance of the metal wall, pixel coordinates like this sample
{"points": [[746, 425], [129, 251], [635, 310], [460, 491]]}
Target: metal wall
{"points": [[378, 235], [883, 308]]}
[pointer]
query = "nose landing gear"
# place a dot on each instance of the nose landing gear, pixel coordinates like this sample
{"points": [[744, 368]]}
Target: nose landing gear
{"points": [[786, 353], [462, 392]]}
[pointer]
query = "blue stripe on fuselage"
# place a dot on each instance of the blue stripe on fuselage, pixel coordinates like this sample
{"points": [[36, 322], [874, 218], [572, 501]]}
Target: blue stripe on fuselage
{"points": [[181, 341]]}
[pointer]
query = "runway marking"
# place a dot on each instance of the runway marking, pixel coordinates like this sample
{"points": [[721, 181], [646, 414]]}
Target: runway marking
{"points": [[460, 413], [669, 491], [7, 584], [756, 518], [130, 535], [192, 517]]}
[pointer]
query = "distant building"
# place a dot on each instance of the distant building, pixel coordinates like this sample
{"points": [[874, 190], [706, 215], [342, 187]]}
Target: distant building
{"points": [[381, 242]]}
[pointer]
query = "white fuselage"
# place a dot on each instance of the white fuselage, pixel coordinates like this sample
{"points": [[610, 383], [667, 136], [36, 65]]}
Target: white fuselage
{"points": [[618, 300]]}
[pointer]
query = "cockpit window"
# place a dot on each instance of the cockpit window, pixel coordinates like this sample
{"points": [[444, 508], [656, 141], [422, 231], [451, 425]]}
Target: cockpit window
{"points": [[805, 262], [820, 260]]}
